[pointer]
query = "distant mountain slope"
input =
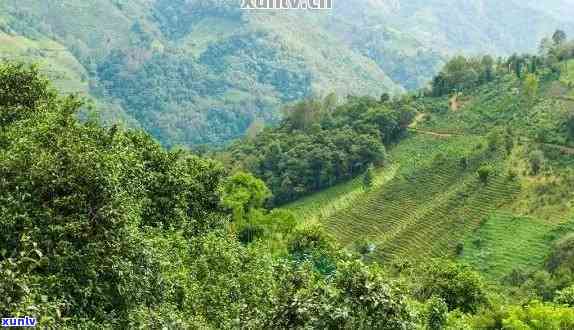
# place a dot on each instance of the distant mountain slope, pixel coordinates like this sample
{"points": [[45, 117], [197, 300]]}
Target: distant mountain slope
{"points": [[192, 72]]}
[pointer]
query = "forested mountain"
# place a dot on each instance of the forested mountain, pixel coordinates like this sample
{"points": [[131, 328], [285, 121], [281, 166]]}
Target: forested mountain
{"points": [[201, 72]]}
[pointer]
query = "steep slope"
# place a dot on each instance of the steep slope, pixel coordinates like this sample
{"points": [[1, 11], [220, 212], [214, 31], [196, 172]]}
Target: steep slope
{"points": [[432, 202]]}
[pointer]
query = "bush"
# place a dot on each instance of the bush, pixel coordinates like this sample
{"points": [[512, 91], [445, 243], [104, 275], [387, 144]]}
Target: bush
{"points": [[512, 175], [536, 160], [250, 233], [540, 316], [484, 173], [437, 312], [562, 255], [459, 248], [565, 296], [309, 240], [456, 284], [23, 91], [365, 247]]}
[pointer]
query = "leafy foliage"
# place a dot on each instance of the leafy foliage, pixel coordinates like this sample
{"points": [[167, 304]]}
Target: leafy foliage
{"points": [[243, 193], [102, 228], [457, 285], [319, 145]]}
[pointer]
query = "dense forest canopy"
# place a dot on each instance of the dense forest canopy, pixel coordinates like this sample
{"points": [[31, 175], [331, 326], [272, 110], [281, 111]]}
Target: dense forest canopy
{"points": [[320, 144], [462, 73]]}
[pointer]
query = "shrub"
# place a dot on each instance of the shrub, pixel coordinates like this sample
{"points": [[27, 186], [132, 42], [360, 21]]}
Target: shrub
{"points": [[23, 90], [565, 296], [484, 172], [459, 248], [365, 247], [512, 175], [536, 160], [437, 312], [539, 316], [250, 233], [563, 254], [368, 178], [456, 284]]}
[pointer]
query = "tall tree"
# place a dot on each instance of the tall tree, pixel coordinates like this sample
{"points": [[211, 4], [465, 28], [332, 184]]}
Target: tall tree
{"points": [[559, 37], [368, 178], [531, 84], [243, 193]]}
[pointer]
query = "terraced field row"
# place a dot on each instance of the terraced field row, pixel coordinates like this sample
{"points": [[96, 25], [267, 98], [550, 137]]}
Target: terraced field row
{"points": [[431, 205], [439, 228], [506, 242], [322, 205]]}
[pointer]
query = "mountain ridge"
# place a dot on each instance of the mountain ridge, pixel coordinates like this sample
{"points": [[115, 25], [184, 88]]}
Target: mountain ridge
{"points": [[246, 65]]}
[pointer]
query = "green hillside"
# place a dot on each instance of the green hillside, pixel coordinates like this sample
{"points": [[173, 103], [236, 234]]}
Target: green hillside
{"points": [[201, 72], [432, 202], [454, 209]]}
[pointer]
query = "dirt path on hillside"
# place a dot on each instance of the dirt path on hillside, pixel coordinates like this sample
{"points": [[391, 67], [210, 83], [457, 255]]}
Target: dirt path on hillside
{"points": [[431, 133], [418, 118], [421, 116], [564, 149]]}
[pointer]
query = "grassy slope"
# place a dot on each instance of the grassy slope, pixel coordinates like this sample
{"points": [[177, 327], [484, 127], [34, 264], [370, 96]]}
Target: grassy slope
{"points": [[568, 76], [317, 207], [54, 59], [428, 203], [506, 241], [67, 74]]}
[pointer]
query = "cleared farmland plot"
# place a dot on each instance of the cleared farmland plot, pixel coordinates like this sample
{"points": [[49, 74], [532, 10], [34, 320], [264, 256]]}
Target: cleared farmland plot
{"points": [[431, 204]]}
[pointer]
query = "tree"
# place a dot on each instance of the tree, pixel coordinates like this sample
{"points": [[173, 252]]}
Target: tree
{"points": [[437, 312], [531, 85], [545, 46], [23, 90], [255, 128], [455, 284], [559, 37], [92, 196], [243, 193], [517, 66], [539, 316], [565, 296], [330, 103], [562, 257], [570, 124], [385, 97], [536, 160], [304, 113], [368, 178], [487, 63], [484, 172], [494, 139]]}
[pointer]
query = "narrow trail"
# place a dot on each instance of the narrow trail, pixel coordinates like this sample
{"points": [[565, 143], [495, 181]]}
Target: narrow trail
{"points": [[435, 134], [564, 149], [420, 117]]}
